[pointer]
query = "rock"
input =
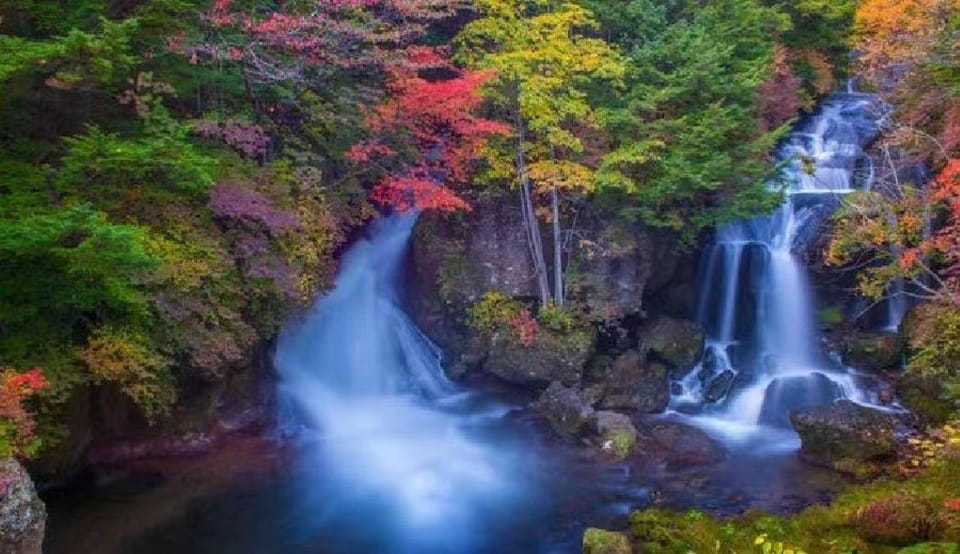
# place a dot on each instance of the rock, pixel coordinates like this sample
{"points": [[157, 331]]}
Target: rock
{"points": [[676, 342], [871, 351], [679, 446], [789, 394], [598, 541], [553, 356], [885, 395], [925, 398], [567, 410], [632, 384], [901, 519], [22, 514], [846, 437], [719, 386], [617, 433]]}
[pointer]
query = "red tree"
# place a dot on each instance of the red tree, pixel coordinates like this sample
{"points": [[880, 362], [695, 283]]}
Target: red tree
{"points": [[424, 139]]}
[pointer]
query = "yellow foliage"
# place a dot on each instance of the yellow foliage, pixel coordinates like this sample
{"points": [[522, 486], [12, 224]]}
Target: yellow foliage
{"points": [[124, 358]]}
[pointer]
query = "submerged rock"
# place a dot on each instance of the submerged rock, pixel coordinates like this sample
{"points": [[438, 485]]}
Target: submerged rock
{"points": [[553, 356], [679, 446], [566, 408], [598, 541], [635, 385], [23, 515], [677, 342], [846, 437]]}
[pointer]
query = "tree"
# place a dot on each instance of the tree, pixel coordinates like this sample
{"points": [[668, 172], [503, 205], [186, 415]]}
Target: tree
{"points": [[545, 63], [424, 138], [688, 153]]}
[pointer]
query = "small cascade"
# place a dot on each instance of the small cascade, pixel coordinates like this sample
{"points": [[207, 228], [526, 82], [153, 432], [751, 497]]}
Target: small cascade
{"points": [[763, 357], [393, 453]]}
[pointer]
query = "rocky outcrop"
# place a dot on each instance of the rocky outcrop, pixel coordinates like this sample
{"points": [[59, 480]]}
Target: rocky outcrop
{"points": [[676, 342], [567, 409], [846, 437], [22, 514], [553, 356], [631, 383], [870, 351]]}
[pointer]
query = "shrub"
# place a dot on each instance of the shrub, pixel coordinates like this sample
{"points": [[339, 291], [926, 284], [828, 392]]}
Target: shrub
{"points": [[16, 423]]}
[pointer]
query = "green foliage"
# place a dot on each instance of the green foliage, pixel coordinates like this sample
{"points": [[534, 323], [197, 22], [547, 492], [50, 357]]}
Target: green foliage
{"points": [[688, 151], [65, 269], [934, 335], [102, 165], [556, 318]]}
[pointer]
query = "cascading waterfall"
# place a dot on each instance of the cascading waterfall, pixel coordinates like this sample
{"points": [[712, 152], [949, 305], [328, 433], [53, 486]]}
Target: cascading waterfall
{"points": [[396, 457], [762, 356]]}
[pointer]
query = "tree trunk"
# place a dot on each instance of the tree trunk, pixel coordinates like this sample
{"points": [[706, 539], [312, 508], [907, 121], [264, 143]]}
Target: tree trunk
{"points": [[558, 290], [530, 223]]}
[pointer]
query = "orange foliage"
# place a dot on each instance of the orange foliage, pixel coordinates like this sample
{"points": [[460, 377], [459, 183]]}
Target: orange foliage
{"points": [[897, 32]]}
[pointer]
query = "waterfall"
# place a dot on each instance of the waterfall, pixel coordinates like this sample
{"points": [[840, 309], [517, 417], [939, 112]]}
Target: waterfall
{"points": [[397, 458], [763, 356]]}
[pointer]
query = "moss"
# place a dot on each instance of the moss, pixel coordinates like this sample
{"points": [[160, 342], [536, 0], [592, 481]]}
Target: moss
{"points": [[621, 442], [830, 316], [877, 518], [598, 541]]}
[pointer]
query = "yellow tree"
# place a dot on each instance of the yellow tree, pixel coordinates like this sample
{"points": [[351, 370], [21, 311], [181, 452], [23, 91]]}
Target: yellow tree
{"points": [[544, 61]]}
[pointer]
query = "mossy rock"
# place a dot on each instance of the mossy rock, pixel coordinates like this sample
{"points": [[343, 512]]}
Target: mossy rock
{"points": [[872, 351], [924, 397], [676, 342], [598, 541], [844, 434], [931, 548], [553, 356], [617, 434]]}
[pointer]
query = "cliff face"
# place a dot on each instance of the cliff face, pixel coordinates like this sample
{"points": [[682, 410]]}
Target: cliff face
{"points": [[619, 274]]}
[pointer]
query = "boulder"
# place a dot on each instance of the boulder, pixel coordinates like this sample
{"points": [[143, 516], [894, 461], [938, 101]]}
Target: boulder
{"points": [[567, 410], [617, 433], [679, 446], [676, 342], [871, 351], [553, 356], [598, 541], [785, 395], [718, 387], [635, 385], [22, 514], [846, 437]]}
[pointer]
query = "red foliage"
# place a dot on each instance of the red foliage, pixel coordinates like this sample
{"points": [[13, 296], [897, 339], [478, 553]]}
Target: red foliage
{"points": [[332, 33], [17, 435], [433, 123], [780, 93], [525, 326]]}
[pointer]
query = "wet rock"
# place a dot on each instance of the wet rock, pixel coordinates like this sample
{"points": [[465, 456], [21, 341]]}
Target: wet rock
{"points": [[679, 446], [788, 394], [885, 395], [598, 541], [846, 437], [871, 351], [676, 342], [709, 364], [553, 356], [636, 385], [23, 515], [566, 408], [718, 387], [617, 433]]}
